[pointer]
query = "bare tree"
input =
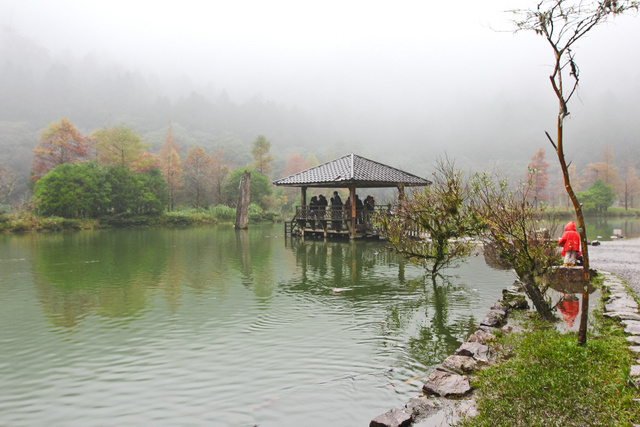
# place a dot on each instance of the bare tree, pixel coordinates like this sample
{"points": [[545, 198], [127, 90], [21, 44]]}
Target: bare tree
{"points": [[562, 23], [432, 226], [512, 235]]}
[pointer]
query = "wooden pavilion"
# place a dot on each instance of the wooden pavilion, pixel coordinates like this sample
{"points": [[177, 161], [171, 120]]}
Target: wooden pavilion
{"points": [[352, 172]]}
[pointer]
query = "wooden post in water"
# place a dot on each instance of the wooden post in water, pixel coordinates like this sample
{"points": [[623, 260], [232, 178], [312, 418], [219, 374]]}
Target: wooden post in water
{"points": [[242, 210]]}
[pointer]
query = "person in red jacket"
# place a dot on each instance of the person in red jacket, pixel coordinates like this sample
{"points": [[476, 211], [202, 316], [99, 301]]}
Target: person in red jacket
{"points": [[570, 242]]}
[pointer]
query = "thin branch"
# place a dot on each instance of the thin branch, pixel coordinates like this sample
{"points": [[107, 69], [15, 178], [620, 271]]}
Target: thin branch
{"points": [[551, 140]]}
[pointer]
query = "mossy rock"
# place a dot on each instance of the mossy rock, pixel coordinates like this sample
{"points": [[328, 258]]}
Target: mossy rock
{"points": [[515, 301]]}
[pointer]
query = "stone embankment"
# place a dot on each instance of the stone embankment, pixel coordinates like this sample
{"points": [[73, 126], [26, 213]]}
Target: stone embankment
{"points": [[623, 307], [447, 395]]}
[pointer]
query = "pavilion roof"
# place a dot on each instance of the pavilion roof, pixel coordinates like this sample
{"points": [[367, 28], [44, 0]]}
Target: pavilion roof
{"points": [[352, 170]]}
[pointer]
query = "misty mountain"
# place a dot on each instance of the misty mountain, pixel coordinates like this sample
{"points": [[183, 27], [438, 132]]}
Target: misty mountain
{"points": [[480, 129]]}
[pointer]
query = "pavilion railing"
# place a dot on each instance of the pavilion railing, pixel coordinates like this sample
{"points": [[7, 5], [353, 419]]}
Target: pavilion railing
{"points": [[338, 219]]}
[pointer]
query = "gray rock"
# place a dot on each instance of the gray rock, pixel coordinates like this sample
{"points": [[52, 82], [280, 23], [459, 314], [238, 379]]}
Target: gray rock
{"points": [[635, 371], [459, 364], [446, 384], [500, 308], [632, 330], [633, 323], [393, 418], [635, 349], [421, 407], [634, 339], [479, 352], [515, 289], [494, 319], [481, 336], [628, 305], [517, 302], [487, 329], [615, 289], [622, 315], [617, 296]]}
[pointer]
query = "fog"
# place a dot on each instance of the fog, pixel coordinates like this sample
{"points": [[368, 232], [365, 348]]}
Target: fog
{"points": [[405, 82]]}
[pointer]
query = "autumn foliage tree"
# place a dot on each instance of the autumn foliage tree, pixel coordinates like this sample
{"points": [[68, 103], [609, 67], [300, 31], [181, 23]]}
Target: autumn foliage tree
{"points": [[630, 185], [262, 158], [296, 163], [120, 146], [219, 172], [197, 176], [286, 196], [604, 170], [538, 175], [60, 143], [171, 166]]}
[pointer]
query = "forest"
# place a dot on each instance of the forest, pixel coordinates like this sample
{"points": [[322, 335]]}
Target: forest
{"points": [[41, 91]]}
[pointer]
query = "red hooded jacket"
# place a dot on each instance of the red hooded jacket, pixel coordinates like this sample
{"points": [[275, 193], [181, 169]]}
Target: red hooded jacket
{"points": [[570, 240]]}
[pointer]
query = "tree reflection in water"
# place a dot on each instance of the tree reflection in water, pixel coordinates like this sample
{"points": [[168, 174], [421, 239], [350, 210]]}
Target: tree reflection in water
{"points": [[371, 273], [117, 274]]}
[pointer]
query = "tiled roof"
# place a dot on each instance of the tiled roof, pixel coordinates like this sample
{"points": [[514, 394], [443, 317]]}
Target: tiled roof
{"points": [[352, 169]]}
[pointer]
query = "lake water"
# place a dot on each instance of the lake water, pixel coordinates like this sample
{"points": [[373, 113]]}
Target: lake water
{"points": [[602, 228], [213, 327]]}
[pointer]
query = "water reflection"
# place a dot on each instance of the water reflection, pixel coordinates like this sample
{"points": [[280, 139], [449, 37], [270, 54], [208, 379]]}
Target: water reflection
{"points": [[417, 308], [230, 318], [569, 307], [116, 275]]}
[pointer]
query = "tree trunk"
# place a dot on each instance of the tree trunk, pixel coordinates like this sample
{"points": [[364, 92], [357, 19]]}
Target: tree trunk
{"points": [[538, 300], [242, 210], [582, 330]]}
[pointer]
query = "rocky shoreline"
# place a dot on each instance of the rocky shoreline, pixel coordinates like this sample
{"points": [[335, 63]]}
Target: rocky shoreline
{"points": [[447, 395]]}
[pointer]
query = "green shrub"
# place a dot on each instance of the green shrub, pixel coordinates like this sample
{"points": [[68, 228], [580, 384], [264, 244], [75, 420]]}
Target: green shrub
{"points": [[255, 212], [223, 213]]}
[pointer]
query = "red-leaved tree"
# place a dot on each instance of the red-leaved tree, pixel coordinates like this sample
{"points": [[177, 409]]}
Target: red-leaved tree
{"points": [[61, 142]]}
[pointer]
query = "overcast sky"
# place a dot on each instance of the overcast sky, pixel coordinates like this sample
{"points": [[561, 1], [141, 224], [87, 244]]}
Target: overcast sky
{"points": [[413, 59], [282, 47]]}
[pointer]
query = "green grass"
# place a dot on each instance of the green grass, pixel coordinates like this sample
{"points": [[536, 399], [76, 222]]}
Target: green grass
{"points": [[23, 221], [546, 379]]}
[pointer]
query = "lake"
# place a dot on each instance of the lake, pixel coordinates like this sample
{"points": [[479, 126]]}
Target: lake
{"points": [[602, 228], [213, 327]]}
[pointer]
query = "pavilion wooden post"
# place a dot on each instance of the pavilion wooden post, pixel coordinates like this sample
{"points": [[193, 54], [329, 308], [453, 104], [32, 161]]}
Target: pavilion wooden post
{"points": [[303, 197], [352, 197], [400, 196], [242, 210]]}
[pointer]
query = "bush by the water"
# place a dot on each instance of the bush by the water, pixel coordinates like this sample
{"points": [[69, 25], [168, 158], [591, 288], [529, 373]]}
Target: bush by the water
{"points": [[223, 213], [89, 190], [26, 221]]}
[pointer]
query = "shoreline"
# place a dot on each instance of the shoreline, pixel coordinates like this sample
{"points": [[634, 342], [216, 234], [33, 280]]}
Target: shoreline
{"points": [[619, 258]]}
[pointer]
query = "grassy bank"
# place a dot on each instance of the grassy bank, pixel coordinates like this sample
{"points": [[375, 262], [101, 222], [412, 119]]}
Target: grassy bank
{"points": [[546, 379], [24, 221]]}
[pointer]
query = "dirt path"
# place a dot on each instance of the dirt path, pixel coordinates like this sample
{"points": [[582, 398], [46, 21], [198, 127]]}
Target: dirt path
{"points": [[620, 257]]}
